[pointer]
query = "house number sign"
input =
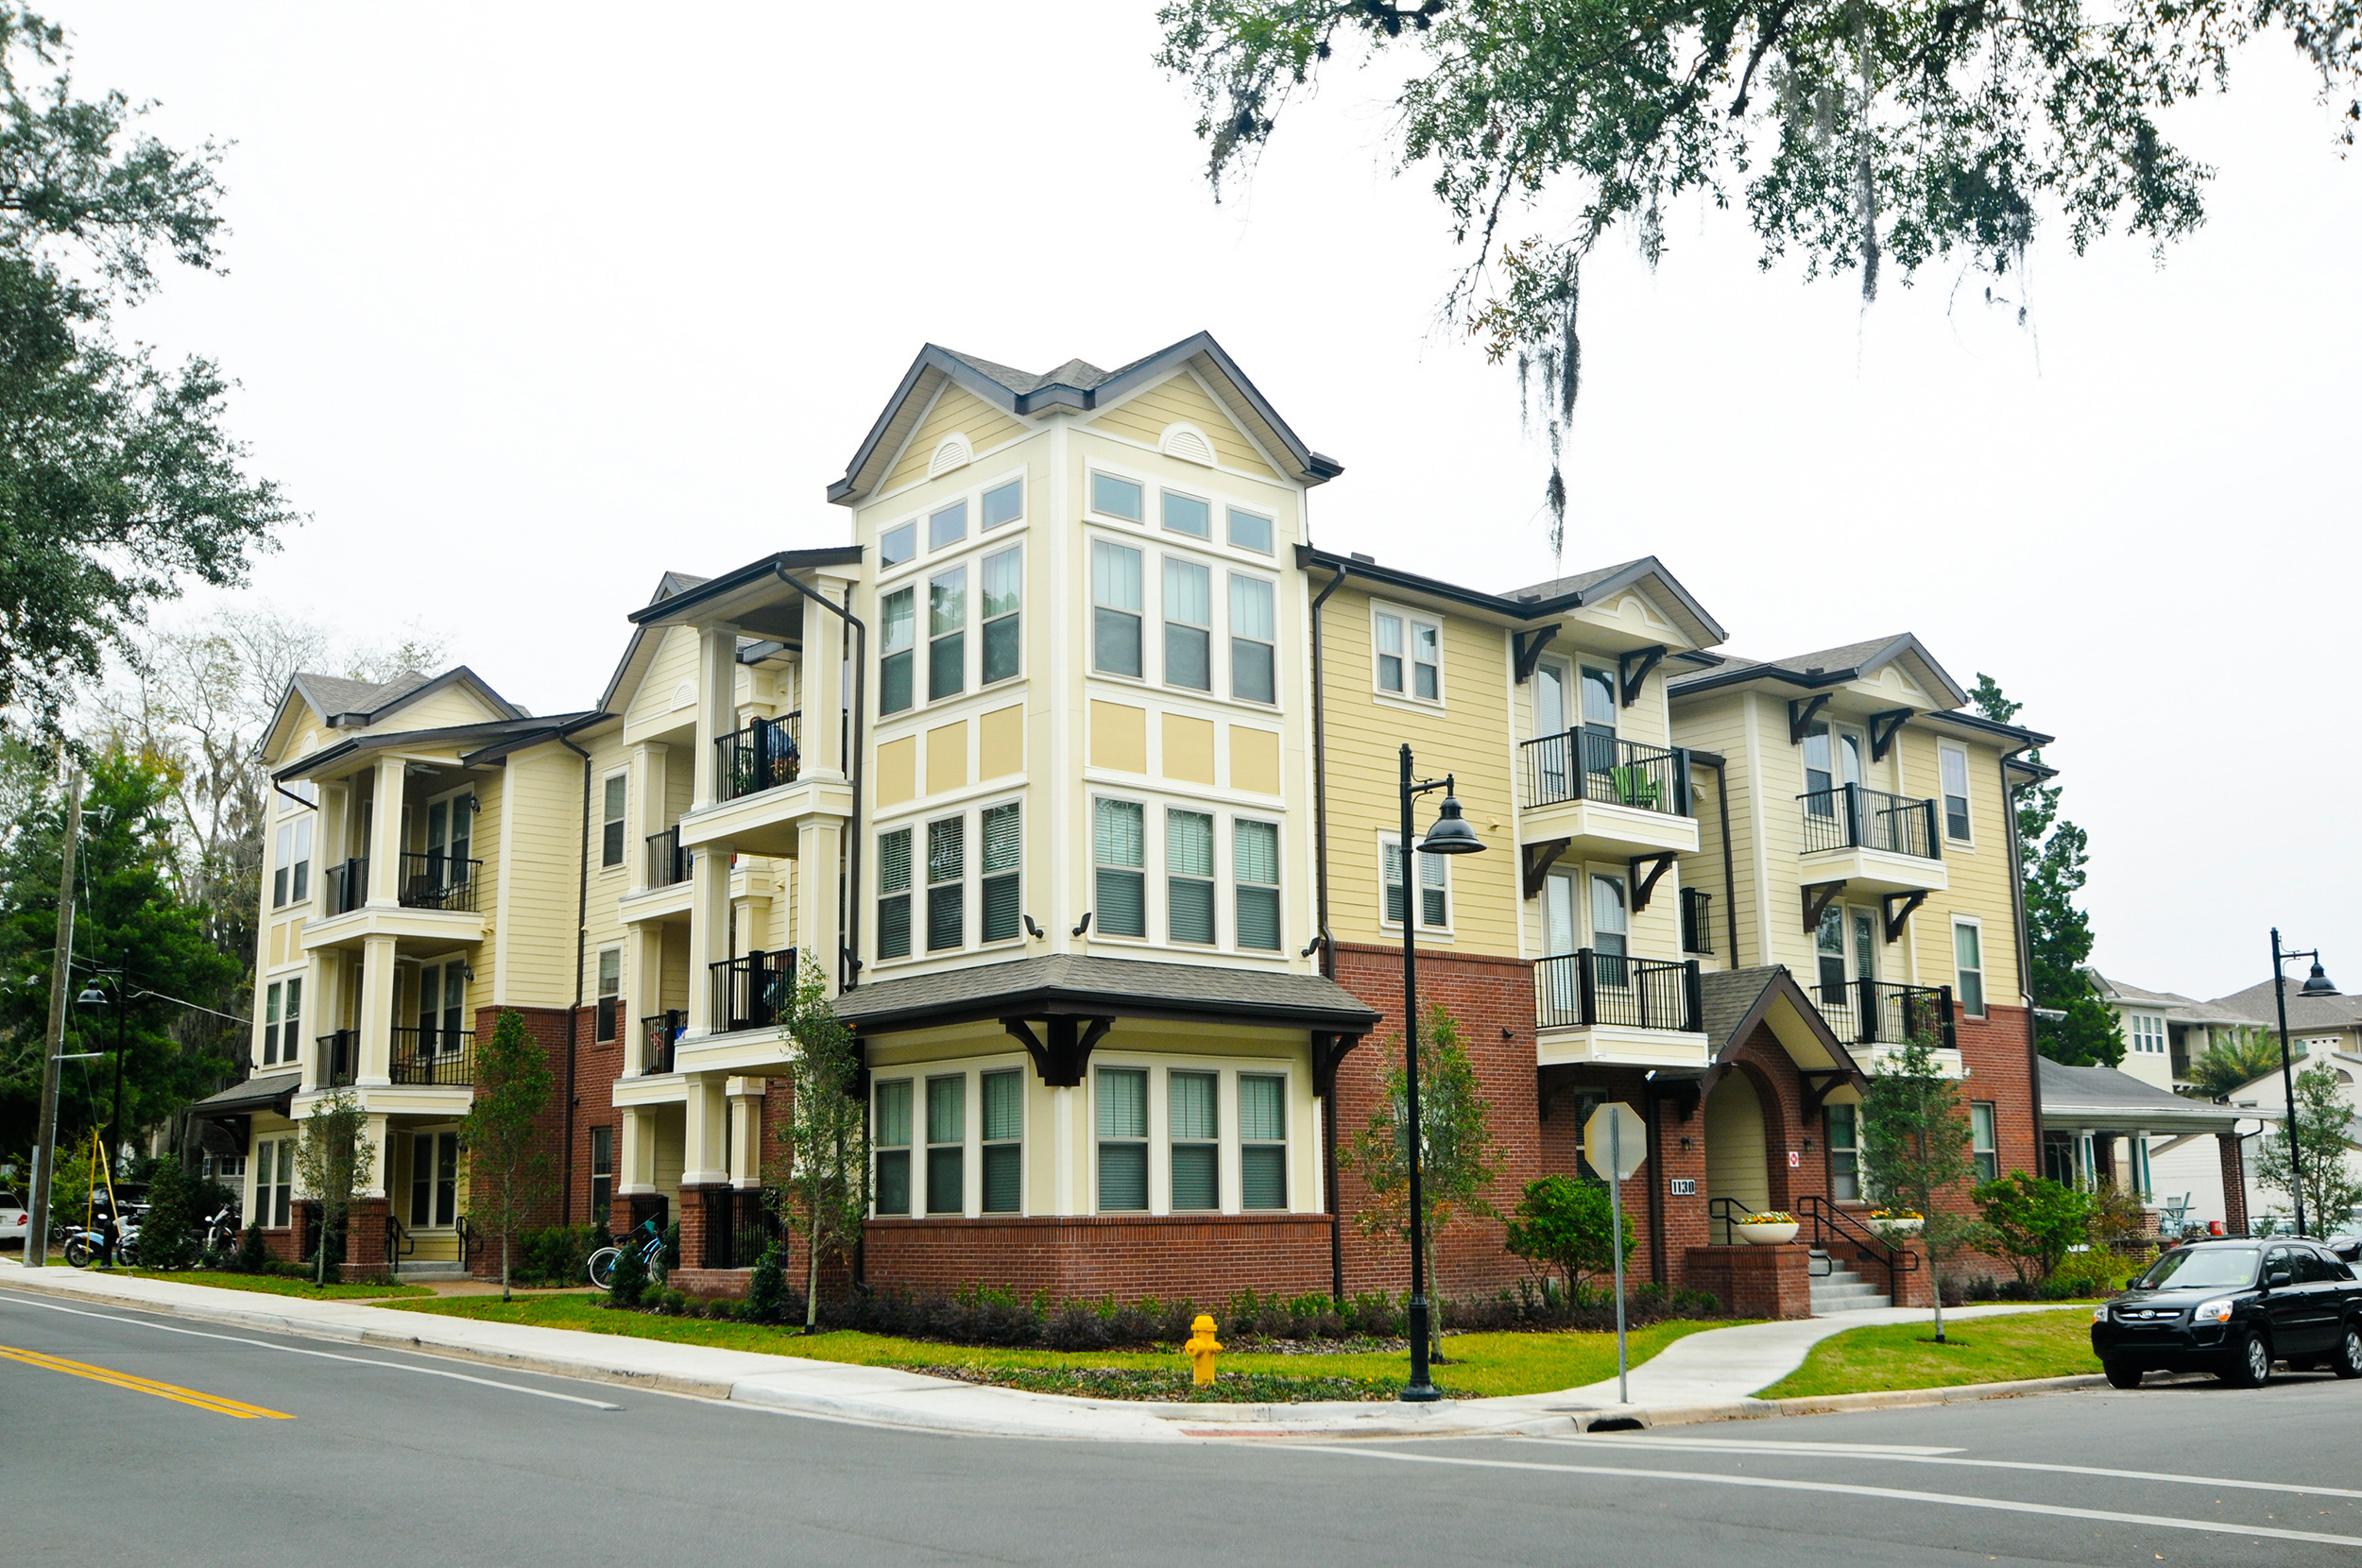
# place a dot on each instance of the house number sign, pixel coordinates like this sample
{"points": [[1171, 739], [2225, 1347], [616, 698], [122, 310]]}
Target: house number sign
{"points": [[1682, 1187]]}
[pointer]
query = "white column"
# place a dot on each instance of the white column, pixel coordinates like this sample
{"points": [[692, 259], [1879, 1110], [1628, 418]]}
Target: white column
{"points": [[635, 1162], [638, 822], [708, 932], [705, 1155], [746, 1131], [818, 844], [386, 841], [375, 1017], [823, 695], [717, 704], [643, 988], [370, 1181]]}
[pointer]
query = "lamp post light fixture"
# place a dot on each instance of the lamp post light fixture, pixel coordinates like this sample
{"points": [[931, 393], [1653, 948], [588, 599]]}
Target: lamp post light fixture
{"points": [[1452, 835], [2315, 984], [95, 999]]}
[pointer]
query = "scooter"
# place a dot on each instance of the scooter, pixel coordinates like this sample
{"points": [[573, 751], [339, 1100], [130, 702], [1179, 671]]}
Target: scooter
{"points": [[221, 1233]]}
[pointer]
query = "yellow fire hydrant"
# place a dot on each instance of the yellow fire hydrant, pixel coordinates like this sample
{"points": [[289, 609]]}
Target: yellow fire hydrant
{"points": [[1202, 1348]]}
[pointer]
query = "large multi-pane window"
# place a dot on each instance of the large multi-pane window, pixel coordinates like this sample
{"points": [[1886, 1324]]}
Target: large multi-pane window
{"points": [[611, 819], [1984, 1140], [1253, 636], [2148, 1033], [891, 1135], [1197, 1136], [893, 894], [1955, 766], [1968, 955], [1122, 1140], [1189, 876], [1004, 1132], [1120, 859], [291, 877], [947, 634], [947, 526], [1844, 1153], [1115, 609], [946, 882], [1434, 889], [897, 636], [1255, 864], [947, 1144], [1188, 624], [274, 1182], [1262, 1141], [604, 1024], [1116, 497], [1004, 852], [1002, 592]]}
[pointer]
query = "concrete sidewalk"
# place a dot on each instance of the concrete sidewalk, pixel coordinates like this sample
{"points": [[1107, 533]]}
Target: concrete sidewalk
{"points": [[1706, 1377]]}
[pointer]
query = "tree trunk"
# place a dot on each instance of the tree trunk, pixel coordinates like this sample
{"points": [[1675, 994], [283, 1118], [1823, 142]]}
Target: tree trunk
{"points": [[812, 1274]]}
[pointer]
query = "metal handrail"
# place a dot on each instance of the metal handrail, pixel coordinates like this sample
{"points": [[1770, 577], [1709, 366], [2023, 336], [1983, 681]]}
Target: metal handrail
{"points": [[661, 1030], [763, 755], [340, 1058], [668, 862], [1883, 1013], [1851, 817], [1585, 988], [753, 992], [438, 881], [444, 1057], [1828, 1220], [471, 1240], [1583, 764], [400, 1243]]}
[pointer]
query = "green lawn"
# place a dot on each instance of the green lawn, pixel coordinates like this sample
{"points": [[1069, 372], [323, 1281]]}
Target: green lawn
{"points": [[277, 1284], [1482, 1364], [1976, 1350]]}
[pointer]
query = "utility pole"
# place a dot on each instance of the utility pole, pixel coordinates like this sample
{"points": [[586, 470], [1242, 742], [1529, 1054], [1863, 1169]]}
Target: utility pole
{"points": [[60, 983]]}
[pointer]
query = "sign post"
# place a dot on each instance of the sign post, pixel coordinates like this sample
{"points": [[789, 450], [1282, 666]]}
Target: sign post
{"points": [[1617, 1129]]}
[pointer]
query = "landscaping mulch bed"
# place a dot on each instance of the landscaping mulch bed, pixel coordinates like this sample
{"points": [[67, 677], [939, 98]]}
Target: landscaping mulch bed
{"points": [[1174, 1387]]}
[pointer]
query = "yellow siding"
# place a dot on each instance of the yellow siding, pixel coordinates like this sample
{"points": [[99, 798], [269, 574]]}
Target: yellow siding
{"points": [[1188, 749], [947, 758], [1715, 724], [956, 410], [454, 705], [1119, 737], [897, 771], [1181, 400], [675, 661], [1253, 759], [1979, 872], [1001, 742], [541, 865]]}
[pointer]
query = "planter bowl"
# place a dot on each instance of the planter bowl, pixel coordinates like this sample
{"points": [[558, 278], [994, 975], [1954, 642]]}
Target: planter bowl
{"points": [[1897, 1227], [1767, 1235]]}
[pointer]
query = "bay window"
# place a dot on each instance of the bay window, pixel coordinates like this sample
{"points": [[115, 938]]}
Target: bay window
{"points": [[1115, 609]]}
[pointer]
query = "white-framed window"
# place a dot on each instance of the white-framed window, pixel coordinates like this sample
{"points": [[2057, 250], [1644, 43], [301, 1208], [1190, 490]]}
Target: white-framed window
{"points": [[1189, 611], [1194, 1122], [308, 794], [1190, 1136], [1968, 966], [274, 1182], [947, 526], [291, 879], [1250, 531], [2148, 1033], [602, 1174], [897, 636], [1188, 514], [1121, 1122], [614, 791], [893, 894], [947, 632], [1003, 838], [890, 1140], [1119, 867], [1003, 1098], [1001, 598], [1953, 762], [607, 1023], [1262, 1141], [1002, 504], [226, 1167], [947, 883], [271, 999], [1114, 496], [1189, 877], [1410, 660], [1255, 866], [898, 545], [1254, 641], [434, 1180], [1844, 1153], [1115, 609], [1984, 1140], [1434, 886], [947, 1144]]}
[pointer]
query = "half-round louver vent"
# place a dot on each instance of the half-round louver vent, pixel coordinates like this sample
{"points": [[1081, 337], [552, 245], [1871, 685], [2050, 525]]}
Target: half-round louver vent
{"points": [[953, 453], [1187, 443], [685, 694]]}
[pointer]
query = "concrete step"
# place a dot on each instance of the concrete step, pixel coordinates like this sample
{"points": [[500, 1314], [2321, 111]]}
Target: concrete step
{"points": [[418, 1272]]}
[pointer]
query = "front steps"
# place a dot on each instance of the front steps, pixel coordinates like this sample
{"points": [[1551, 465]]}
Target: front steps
{"points": [[424, 1273], [1841, 1289]]}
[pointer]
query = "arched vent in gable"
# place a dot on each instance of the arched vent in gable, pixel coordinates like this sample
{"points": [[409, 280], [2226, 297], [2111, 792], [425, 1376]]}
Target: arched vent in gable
{"points": [[685, 694], [952, 453], [1187, 443]]}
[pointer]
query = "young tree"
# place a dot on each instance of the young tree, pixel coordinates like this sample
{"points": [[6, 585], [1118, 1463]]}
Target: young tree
{"points": [[1459, 1161], [1564, 1222], [2324, 1129], [2035, 1221], [507, 1171], [825, 1145], [332, 1158], [2232, 1063], [1915, 1144], [168, 1229]]}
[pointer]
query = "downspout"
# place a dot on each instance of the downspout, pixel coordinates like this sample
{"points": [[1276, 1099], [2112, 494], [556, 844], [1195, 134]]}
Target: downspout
{"points": [[2024, 958], [1657, 1189], [1730, 877], [849, 945], [1328, 947], [573, 1018]]}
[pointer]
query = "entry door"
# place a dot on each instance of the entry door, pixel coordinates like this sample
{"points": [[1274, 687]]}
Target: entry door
{"points": [[1551, 726], [1562, 934], [433, 1181], [1598, 728], [442, 1003], [1866, 943], [438, 829]]}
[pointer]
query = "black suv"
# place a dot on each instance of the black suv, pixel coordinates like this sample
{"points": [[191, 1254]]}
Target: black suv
{"points": [[2233, 1308]]}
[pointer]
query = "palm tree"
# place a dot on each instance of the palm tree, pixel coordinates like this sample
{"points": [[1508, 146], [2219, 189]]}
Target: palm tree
{"points": [[2234, 1063]]}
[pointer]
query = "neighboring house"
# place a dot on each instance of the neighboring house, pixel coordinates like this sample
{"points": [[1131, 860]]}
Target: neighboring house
{"points": [[1074, 771], [2315, 1024], [2164, 1032], [2100, 1124], [2265, 1100]]}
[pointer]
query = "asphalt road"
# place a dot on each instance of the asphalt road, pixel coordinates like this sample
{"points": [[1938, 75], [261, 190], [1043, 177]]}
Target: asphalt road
{"points": [[133, 1438]]}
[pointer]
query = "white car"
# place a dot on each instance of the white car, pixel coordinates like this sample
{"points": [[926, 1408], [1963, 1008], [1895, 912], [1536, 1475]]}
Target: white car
{"points": [[13, 1219]]}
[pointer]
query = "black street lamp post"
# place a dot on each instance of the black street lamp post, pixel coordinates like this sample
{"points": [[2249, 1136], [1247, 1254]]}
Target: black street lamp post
{"points": [[94, 998], [1452, 835], [2315, 984]]}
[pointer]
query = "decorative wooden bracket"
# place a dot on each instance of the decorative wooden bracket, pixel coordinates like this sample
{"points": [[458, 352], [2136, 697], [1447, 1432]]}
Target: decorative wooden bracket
{"points": [[1882, 729], [1539, 859], [1064, 1058], [1801, 712], [1683, 1095], [1530, 646], [1328, 1054], [1819, 1084], [1818, 897], [1642, 888], [1632, 668], [1895, 917]]}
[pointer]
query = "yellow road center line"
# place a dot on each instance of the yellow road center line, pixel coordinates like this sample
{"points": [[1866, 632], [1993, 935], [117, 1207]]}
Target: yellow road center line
{"points": [[136, 1384]]}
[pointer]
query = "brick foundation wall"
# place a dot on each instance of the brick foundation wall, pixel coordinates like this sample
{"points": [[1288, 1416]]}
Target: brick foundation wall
{"points": [[364, 1237], [1752, 1281], [2233, 1183], [549, 1027], [1204, 1260]]}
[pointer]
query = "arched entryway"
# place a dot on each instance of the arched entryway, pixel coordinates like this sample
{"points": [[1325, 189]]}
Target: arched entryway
{"points": [[1737, 1165]]}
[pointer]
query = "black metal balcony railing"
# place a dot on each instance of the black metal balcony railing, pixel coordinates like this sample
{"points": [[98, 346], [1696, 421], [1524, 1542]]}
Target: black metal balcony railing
{"points": [[763, 755], [668, 862], [1851, 817], [435, 881], [348, 885], [444, 1057], [662, 1030], [1586, 765], [738, 1225], [753, 992], [339, 1058], [1881, 1013], [1585, 989]]}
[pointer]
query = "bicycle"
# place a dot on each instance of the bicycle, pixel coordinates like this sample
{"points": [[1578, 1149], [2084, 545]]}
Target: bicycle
{"points": [[602, 1270]]}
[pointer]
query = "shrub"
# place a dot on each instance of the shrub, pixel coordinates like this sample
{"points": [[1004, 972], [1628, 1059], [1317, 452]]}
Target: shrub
{"points": [[671, 1259], [168, 1231], [254, 1256], [1565, 1224], [556, 1254], [630, 1280], [2097, 1271], [766, 1289], [2034, 1219]]}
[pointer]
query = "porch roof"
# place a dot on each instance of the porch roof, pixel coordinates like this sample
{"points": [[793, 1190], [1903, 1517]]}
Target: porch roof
{"points": [[1075, 985], [2104, 1099], [256, 1094], [1736, 1000]]}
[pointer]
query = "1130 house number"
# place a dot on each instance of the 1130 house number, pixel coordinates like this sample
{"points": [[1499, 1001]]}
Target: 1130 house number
{"points": [[1681, 1186]]}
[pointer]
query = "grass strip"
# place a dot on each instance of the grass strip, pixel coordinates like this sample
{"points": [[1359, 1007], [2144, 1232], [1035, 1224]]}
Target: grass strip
{"points": [[1480, 1365], [1976, 1350], [275, 1284]]}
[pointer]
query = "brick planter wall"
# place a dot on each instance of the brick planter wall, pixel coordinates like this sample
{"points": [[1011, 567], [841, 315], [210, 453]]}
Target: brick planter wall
{"points": [[1750, 1281], [365, 1238], [1201, 1259]]}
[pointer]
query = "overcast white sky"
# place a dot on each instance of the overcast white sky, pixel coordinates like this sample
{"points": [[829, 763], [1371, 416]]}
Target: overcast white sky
{"points": [[529, 307]]}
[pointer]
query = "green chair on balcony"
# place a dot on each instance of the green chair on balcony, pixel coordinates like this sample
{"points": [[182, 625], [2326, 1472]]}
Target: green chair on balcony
{"points": [[1634, 787]]}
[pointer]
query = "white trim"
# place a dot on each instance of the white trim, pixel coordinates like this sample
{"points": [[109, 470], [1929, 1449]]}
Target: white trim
{"points": [[1409, 696], [1983, 970]]}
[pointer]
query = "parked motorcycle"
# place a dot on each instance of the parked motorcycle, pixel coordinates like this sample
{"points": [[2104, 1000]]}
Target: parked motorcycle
{"points": [[221, 1233]]}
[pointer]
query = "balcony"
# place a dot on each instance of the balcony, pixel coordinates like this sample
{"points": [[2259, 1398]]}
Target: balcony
{"points": [[1613, 1009], [339, 1059], [1606, 796], [1871, 841], [762, 794], [764, 756], [444, 1058], [668, 862], [1873, 1017], [348, 886], [753, 991], [661, 1030], [438, 881]]}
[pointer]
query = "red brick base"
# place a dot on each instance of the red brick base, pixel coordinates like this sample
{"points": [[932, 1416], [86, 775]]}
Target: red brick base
{"points": [[732, 1283], [1754, 1282], [1202, 1260]]}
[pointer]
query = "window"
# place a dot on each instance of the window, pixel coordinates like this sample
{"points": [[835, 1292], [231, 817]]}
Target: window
{"points": [[2148, 1033], [1987, 1148], [1819, 776], [270, 1025], [1250, 532], [1115, 498], [947, 634], [1004, 845], [1610, 927], [1189, 617], [1262, 1141], [611, 821], [948, 526], [1189, 876], [1255, 862], [1253, 675], [1122, 1140], [1968, 957], [892, 1117], [309, 795], [1434, 886], [274, 1182], [300, 888], [1196, 1131], [1828, 946], [611, 992], [1189, 514], [1955, 765], [1417, 643], [1844, 1154], [1001, 586], [435, 1179], [1002, 504], [1005, 1151], [896, 545], [898, 631], [1118, 851], [1115, 609], [893, 894], [281, 860], [947, 1144], [291, 1029], [947, 883], [602, 1174], [1697, 921]]}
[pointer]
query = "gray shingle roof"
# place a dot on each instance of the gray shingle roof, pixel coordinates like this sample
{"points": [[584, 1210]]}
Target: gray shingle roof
{"points": [[1079, 374], [2304, 1013], [2103, 1096], [255, 1093], [1073, 984], [1558, 587], [1729, 999], [333, 694]]}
